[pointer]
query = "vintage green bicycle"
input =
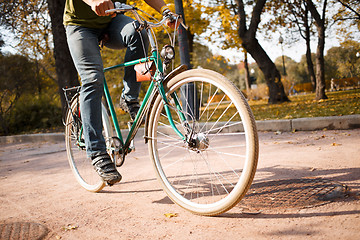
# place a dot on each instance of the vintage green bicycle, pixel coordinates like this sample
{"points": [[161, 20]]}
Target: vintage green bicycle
{"points": [[200, 131]]}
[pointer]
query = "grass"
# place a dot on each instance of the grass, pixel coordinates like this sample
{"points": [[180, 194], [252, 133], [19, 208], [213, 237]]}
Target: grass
{"points": [[301, 106], [338, 104]]}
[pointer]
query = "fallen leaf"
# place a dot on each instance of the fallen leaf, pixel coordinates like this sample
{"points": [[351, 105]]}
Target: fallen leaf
{"points": [[170, 215], [335, 144], [70, 227], [322, 136]]}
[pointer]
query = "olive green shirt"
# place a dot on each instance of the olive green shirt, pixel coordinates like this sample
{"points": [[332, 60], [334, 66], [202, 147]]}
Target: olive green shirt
{"points": [[79, 13]]}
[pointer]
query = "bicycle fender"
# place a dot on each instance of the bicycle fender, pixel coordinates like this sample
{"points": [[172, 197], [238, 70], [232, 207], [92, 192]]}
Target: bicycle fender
{"points": [[175, 72]]}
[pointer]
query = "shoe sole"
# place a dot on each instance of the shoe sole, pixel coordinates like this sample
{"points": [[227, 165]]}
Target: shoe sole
{"points": [[111, 182]]}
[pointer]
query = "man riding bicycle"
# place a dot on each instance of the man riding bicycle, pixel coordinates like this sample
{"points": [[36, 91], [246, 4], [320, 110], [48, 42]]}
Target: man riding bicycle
{"points": [[86, 23]]}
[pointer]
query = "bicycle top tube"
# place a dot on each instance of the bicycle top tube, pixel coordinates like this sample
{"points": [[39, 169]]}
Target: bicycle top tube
{"points": [[130, 63]]}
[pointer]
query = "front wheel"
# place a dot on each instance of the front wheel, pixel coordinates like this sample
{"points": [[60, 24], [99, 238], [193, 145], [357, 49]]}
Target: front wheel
{"points": [[75, 147], [210, 170]]}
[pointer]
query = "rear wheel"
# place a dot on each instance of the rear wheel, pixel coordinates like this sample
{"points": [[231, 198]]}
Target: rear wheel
{"points": [[210, 170], [75, 147]]}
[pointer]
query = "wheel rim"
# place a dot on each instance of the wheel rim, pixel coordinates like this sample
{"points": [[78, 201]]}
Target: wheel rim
{"points": [[205, 178], [79, 162], [82, 167]]}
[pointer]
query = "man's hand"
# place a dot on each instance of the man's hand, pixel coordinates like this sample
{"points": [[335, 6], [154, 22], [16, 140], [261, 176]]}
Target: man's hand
{"points": [[100, 6]]}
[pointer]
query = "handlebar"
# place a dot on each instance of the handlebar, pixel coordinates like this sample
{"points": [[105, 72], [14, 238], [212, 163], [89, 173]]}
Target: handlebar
{"points": [[122, 7]]}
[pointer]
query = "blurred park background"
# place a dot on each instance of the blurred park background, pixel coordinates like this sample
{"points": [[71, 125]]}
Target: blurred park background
{"points": [[35, 63]]}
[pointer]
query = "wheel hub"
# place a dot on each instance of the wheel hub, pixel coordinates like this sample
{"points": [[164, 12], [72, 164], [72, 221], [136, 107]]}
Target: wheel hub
{"points": [[198, 142]]}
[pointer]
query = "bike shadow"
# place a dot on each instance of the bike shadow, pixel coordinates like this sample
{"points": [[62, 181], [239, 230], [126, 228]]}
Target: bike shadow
{"points": [[265, 215], [280, 175], [348, 176]]}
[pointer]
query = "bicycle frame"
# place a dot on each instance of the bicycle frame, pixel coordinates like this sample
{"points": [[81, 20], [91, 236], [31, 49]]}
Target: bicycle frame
{"points": [[157, 82], [208, 167]]}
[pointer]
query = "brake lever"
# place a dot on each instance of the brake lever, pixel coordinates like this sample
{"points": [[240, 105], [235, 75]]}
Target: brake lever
{"points": [[177, 18], [183, 24]]}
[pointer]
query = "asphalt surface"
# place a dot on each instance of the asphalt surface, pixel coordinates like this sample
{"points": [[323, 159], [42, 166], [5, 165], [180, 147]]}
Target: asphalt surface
{"points": [[298, 159], [38, 193]]}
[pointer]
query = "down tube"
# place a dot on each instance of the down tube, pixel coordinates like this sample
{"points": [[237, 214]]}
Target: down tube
{"points": [[108, 97], [142, 108], [112, 111]]}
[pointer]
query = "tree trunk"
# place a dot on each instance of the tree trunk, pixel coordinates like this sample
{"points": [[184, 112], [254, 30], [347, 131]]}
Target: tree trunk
{"points": [[252, 46], [65, 69], [320, 66], [310, 66], [247, 76], [271, 74], [309, 62]]}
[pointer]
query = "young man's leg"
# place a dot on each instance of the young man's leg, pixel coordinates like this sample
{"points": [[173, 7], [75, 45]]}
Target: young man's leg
{"points": [[84, 49], [122, 34]]}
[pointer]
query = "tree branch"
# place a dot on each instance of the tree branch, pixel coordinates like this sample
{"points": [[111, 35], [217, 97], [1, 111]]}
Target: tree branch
{"points": [[314, 12], [350, 8], [242, 18], [255, 18]]}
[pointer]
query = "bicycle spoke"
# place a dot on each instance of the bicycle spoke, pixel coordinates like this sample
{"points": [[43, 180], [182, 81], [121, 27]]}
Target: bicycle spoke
{"points": [[219, 129], [201, 171], [79, 162]]}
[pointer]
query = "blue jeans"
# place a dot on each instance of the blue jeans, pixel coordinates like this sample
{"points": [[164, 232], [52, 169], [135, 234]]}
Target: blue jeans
{"points": [[84, 48]]}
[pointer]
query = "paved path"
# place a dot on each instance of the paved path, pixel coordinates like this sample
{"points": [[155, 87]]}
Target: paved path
{"points": [[37, 186], [287, 125]]}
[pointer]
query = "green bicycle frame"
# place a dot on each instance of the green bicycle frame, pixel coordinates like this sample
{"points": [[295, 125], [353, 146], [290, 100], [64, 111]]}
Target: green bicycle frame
{"points": [[155, 57]]}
